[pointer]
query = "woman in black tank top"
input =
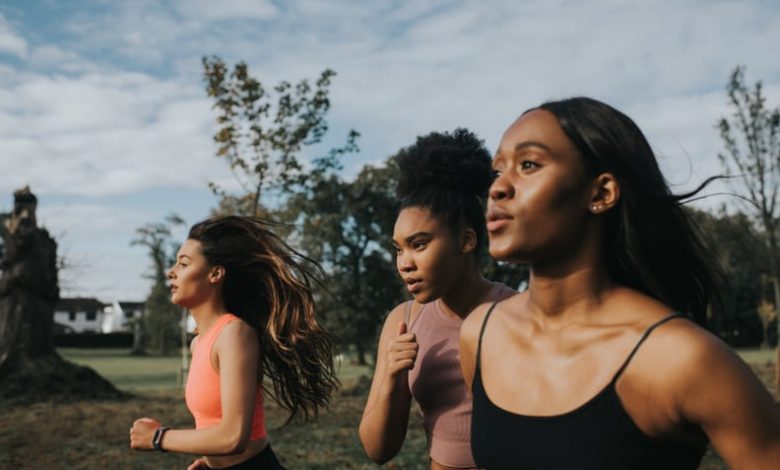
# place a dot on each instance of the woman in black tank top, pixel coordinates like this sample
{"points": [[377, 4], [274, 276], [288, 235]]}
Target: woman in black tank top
{"points": [[589, 368]]}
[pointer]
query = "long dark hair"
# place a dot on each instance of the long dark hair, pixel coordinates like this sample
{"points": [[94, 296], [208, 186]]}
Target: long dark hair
{"points": [[269, 285], [449, 174], [651, 243]]}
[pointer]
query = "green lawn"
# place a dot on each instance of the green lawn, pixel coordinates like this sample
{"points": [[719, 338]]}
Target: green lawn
{"points": [[757, 356], [150, 373], [132, 373]]}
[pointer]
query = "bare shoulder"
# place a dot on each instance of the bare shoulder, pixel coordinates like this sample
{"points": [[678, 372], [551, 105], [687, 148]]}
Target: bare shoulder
{"points": [[237, 332], [472, 325], [396, 315], [689, 357]]}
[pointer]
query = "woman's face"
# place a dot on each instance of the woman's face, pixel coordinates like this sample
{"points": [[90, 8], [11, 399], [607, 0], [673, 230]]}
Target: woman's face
{"points": [[428, 255], [538, 203], [189, 277]]}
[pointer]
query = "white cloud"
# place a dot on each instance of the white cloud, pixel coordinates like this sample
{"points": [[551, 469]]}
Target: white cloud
{"points": [[225, 10], [10, 41], [115, 105]]}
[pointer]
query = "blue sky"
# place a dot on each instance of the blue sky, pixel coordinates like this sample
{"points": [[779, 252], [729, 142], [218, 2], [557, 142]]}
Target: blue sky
{"points": [[103, 111]]}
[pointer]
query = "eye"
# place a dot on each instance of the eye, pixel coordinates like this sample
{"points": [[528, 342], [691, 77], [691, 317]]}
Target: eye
{"points": [[528, 165], [494, 175], [419, 245]]}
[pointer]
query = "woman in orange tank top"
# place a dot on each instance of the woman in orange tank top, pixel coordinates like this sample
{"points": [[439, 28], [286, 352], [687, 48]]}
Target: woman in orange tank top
{"points": [[250, 296]]}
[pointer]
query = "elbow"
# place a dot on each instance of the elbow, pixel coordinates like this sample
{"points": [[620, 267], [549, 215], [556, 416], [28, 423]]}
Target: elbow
{"points": [[376, 451], [236, 443]]}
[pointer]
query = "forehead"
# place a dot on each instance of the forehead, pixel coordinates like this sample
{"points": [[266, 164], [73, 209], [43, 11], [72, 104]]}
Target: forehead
{"points": [[190, 248], [538, 126], [415, 219]]}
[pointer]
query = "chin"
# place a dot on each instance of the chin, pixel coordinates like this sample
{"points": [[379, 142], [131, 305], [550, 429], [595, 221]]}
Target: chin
{"points": [[425, 297], [507, 254]]}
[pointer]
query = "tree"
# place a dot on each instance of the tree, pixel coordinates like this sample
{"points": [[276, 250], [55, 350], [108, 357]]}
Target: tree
{"points": [[30, 368], [261, 133], [740, 248], [347, 227], [159, 327], [751, 137]]}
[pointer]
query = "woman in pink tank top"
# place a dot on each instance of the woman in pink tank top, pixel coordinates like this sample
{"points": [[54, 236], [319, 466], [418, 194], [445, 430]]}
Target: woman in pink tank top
{"points": [[439, 236], [250, 296]]}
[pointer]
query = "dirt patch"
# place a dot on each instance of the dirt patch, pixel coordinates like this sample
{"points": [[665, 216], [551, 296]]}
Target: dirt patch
{"points": [[94, 434]]}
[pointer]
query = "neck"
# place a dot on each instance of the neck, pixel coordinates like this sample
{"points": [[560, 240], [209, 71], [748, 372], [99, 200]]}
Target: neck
{"points": [[207, 312], [560, 294], [466, 293]]}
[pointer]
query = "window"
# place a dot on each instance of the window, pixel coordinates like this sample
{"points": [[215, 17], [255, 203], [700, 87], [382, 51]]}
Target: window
{"points": [[91, 316], [72, 316]]}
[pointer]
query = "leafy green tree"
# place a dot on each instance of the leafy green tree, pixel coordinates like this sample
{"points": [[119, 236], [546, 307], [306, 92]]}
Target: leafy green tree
{"points": [[159, 327], [741, 250], [262, 132], [751, 137], [348, 226]]}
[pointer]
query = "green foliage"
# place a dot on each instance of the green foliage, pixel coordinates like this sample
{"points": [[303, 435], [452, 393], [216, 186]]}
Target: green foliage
{"points": [[741, 249], [262, 132], [159, 328], [751, 137], [347, 226]]}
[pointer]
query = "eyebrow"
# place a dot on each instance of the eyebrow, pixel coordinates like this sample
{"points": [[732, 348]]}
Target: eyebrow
{"points": [[531, 143], [413, 236], [416, 235], [184, 256]]}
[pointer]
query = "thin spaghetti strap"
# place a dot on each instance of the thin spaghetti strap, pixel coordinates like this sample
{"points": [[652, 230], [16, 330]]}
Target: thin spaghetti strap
{"points": [[408, 313], [481, 332], [642, 340]]}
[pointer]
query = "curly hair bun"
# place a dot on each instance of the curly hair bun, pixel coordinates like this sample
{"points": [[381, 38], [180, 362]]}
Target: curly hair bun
{"points": [[448, 161]]}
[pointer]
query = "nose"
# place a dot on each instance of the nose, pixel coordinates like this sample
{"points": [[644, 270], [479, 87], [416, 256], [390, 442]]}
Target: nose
{"points": [[169, 273], [501, 189], [405, 263]]}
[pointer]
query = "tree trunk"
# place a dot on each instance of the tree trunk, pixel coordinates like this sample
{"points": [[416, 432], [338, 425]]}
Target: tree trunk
{"points": [[30, 368], [139, 334], [776, 291], [361, 354]]}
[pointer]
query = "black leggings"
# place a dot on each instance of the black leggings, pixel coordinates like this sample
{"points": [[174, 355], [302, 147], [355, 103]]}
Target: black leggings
{"points": [[263, 460]]}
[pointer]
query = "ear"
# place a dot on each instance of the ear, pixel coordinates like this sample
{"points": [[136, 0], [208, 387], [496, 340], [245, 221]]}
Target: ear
{"points": [[216, 274], [605, 193], [468, 240]]}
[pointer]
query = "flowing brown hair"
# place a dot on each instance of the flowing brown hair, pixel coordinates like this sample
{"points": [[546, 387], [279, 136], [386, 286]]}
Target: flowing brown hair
{"points": [[269, 285]]}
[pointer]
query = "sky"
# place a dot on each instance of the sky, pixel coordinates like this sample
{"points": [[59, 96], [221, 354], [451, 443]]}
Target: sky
{"points": [[103, 110]]}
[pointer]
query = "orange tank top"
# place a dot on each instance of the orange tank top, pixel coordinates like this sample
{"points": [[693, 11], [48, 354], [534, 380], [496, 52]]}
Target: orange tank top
{"points": [[202, 393]]}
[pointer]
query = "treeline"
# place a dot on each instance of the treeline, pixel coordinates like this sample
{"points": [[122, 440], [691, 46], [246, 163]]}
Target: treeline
{"points": [[346, 225]]}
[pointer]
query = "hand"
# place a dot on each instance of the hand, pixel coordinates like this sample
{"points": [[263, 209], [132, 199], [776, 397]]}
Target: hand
{"points": [[198, 464], [401, 353], [142, 433]]}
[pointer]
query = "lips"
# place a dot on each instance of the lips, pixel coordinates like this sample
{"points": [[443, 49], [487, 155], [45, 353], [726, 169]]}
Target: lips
{"points": [[497, 219], [413, 285]]}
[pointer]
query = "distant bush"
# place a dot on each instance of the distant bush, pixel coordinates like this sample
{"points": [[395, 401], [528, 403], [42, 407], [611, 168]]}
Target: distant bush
{"points": [[94, 340]]}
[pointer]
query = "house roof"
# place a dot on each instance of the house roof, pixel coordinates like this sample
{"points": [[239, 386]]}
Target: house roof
{"points": [[80, 304]]}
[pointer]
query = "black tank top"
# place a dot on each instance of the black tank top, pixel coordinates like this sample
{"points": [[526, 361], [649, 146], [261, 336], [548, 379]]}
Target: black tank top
{"points": [[597, 435]]}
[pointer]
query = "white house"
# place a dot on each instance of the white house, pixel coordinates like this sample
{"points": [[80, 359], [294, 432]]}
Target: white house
{"points": [[119, 315], [79, 315]]}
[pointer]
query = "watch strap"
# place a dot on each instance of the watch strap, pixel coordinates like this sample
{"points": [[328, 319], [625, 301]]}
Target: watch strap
{"points": [[157, 439]]}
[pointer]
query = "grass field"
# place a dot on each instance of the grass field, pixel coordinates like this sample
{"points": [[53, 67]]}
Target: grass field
{"points": [[93, 435]]}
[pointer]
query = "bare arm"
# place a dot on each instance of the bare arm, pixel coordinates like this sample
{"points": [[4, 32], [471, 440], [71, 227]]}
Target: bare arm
{"points": [[237, 349], [735, 410], [386, 415]]}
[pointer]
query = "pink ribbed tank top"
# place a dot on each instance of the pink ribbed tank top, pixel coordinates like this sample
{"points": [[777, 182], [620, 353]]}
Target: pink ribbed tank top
{"points": [[436, 382]]}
